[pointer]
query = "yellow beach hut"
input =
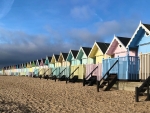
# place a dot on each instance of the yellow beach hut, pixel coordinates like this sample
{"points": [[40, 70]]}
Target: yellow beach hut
{"points": [[97, 54]]}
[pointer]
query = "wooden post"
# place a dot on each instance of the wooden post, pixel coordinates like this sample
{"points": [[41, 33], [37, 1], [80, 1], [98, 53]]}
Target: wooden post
{"points": [[136, 94], [98, 82], [84, 81], [148, 98]]}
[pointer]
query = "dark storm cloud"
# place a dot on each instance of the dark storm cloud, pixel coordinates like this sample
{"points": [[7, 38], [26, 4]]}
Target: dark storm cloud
{"points": [[18, 46]]}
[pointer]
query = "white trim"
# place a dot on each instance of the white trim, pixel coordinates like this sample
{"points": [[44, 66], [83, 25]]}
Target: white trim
{"points": [[140, 25]]}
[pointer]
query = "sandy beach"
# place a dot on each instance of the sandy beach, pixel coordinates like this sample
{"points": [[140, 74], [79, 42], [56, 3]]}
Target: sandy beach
{"points": [[32, 95]]}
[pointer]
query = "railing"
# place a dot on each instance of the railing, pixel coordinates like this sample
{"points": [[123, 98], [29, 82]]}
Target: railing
{"points": [[61, 72], [71, 74], [84, 79], [53, 71], [46, 71], [144, 86], [107, 73]]}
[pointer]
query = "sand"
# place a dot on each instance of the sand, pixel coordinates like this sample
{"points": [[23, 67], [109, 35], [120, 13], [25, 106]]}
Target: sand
{"points": [[32, 95]]}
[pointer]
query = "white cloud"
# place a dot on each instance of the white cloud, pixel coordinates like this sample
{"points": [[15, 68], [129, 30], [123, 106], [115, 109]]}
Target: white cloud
{"points": [[5, 7], [81, 12]]}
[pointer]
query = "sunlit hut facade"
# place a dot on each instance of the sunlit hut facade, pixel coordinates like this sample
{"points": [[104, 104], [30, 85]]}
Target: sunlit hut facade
{"points": [[37, 68], [33, 63], [65, 65], [8, 70], [19, 69], [25, 68], [30, 69], [22, 69], [5, 70], [49, 66], [76, 66], [16, 70], [42, 69], [57, 65], [12, 68], [97, 54], [82, 56], [140, 43]]}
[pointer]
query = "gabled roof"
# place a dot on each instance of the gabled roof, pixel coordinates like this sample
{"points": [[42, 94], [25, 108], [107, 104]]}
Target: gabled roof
{"points": [[49, 58], [103, 46], [146, 27], [74, 52], [39, 60], [86, 50], [56, 57], [124, 40], [65, 55], [43, 60]]}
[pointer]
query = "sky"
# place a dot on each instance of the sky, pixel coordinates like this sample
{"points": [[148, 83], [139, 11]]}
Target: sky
{"points": [[34, 29]]}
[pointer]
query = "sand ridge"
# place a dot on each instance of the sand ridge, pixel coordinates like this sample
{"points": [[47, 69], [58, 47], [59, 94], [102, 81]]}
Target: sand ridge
{"points": [[32, 95]]}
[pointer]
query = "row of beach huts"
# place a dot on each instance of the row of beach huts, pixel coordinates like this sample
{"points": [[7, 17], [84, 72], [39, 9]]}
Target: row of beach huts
{"points": [[124, 59]]}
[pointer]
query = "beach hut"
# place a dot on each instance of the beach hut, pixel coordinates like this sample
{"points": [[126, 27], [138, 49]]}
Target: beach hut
{"points": [[4, 69], [122, 64], [77, 69], [41, 67], [8, 70], [22, 69], [65, 66], [37, 68], [82, 56], [10, 67], [33, 64], [48, 67], [56, 69], [19, 69], [118, 50], [140, 43], [96, 56], [30, 69]]}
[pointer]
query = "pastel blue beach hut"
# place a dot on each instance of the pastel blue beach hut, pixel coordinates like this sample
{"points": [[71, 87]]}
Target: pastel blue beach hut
{"points": [[65, 65], [140, 43], [57, 65]]}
